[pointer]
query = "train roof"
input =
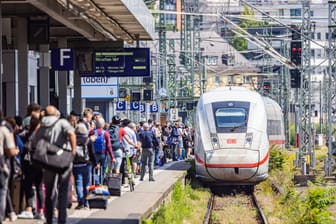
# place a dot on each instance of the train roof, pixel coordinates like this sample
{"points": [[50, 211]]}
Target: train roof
{"points": [[273, 109], [231, 93]]}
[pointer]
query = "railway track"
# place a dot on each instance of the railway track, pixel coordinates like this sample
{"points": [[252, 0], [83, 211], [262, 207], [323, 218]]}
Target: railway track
{"points": [[234, 208]]}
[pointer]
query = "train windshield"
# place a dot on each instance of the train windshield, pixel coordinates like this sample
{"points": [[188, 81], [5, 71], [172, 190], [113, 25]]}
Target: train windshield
{"points": [[230, 117]]}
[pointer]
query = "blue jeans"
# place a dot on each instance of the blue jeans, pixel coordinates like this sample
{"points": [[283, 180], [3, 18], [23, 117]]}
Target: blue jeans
{"points": [[3, 194], [118, 155], [82, 180], [157, 155]]}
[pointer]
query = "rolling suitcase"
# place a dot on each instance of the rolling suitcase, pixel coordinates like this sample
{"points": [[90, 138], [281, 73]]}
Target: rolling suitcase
{"points": [[97, 201], [98, 194], [113, 183]]}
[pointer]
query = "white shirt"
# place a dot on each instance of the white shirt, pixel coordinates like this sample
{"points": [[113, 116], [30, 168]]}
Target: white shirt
{"points": [[128, 147]]}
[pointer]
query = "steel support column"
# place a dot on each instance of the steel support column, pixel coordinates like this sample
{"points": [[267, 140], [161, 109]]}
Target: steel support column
{"points": [[305, 93], [331, 80]]}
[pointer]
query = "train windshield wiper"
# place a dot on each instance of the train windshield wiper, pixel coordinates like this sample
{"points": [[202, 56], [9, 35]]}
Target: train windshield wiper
{"points": [[236, 127]]}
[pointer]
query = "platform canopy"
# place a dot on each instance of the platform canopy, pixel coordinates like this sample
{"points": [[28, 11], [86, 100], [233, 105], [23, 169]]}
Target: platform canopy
{"points": [[96, 20]]}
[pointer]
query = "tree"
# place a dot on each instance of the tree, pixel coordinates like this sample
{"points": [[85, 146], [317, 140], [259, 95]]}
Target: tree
{"points": [[248, 20]]}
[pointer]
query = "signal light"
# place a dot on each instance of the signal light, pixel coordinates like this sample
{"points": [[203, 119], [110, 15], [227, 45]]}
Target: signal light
{"points": [[266, 86], [147, 95], [296, 52], [295, 78]]}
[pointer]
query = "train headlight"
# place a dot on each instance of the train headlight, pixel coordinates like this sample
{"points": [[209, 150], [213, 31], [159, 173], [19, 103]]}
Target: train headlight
{"points": [[214, 141], [248, 140]]}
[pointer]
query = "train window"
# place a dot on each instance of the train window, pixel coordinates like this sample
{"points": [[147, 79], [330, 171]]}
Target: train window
{"points": [[230, 117], [274, 127]]}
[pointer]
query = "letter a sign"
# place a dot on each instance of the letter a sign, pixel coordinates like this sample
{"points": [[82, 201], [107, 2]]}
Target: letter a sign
{"points": [[62, 59]]}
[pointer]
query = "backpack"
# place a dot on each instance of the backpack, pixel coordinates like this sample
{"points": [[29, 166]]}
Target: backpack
{"points": [[114, 137], [99, 143], [82, 154], [175, 132]]}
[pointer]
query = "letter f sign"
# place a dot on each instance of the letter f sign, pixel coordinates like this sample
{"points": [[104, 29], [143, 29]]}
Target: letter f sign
{"points": [[62, 59], [63, 56]]}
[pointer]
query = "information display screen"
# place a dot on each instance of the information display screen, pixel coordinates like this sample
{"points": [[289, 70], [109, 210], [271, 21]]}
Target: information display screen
{"points": [[126, 62]]}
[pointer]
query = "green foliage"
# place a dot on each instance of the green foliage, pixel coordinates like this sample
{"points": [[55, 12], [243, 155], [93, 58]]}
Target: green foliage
{"points": [[292, 134], [177, 209], [316, 206], [150, 3], [250, 19], [239, 43], [311, 209], [247, 21], [277, 158]]}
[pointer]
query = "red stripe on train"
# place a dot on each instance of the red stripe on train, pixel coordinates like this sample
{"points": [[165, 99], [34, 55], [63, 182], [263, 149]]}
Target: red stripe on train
{"points": [[276, 142], [232, 165]]}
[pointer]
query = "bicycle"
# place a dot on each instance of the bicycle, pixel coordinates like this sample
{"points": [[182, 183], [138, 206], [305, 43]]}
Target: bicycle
{"points": [[129, 173]]}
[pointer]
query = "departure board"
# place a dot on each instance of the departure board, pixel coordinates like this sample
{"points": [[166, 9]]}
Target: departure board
{"points": [[127, 62]]}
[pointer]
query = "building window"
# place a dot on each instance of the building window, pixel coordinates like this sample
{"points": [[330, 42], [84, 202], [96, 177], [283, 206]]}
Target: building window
{"points": [[318, 36], [212, 60], [217, 79], [312, 53], [224, 59], [281, 12], [318, 53], [295, 12]]}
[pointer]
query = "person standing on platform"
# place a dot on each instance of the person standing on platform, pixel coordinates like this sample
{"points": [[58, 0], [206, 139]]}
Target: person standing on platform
{"points": [[116, 135], [7, 149], [32, 175], [62, 133], [84, 157], [148, 140], [102, 147]]}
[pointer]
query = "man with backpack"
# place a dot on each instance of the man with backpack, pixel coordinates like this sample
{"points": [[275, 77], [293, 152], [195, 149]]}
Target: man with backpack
{"points": [[102, 146], [82, 164], [116, 134]]}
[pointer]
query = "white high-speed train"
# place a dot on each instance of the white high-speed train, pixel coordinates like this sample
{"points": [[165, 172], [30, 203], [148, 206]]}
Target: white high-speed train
{"points": [[275, 123], [231, 138]]}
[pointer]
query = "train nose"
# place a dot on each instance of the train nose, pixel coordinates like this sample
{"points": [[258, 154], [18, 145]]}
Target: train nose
{"points": [[232, 164]]}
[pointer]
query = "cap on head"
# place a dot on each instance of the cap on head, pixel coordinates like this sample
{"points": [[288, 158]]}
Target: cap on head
{"points": [[116, 119]]}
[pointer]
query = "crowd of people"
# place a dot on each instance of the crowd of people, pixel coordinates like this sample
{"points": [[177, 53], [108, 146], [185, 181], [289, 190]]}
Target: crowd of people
{"points": [[99, 148]]}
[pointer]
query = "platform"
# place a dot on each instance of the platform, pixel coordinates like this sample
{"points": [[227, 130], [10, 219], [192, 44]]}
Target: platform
{"points": [[130, 207]]}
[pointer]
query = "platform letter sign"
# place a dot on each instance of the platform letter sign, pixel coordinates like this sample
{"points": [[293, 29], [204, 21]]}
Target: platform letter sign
{"points": [[142, 108], [62, 59], [135, 105], [121, 105], [154, 108]]}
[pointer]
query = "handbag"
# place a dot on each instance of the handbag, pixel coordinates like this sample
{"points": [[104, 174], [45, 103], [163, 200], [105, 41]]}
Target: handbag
{"points": [[16, 168], [51, 157]]}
